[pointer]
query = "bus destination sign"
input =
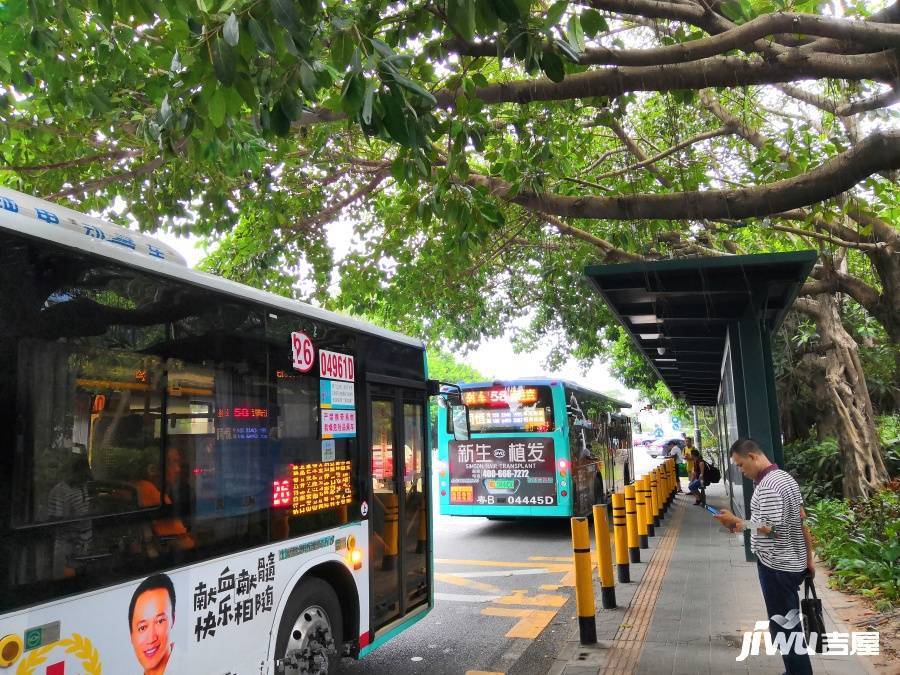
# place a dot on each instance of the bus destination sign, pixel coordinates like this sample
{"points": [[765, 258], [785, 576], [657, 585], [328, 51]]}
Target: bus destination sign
{"points": [[503, 471]]}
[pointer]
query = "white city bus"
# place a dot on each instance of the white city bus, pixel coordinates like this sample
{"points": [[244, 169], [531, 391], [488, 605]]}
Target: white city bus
{"points": [[197, 476]]}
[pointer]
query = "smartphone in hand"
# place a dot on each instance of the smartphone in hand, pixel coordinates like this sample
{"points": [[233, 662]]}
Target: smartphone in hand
{"points": [[712, 509]]}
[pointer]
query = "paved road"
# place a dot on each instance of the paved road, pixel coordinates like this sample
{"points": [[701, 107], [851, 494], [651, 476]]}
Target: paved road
{"points": [[503, 600]]}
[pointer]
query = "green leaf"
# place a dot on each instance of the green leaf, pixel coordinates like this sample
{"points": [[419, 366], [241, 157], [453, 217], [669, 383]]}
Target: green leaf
{"points": [[416, 88], [394, 117], [342, 46], [592, 22], [554, 14], [215, 107], [309, 8], [553, 66], [461, 17], [290, 105], [260, 36], [308, 80], [507, 10], [231, 31], [352, 93], [285, 15], [223, 61], [567, 50], [575, 33], [367, 102], [203, 6], [279, 122], [228, 4]]}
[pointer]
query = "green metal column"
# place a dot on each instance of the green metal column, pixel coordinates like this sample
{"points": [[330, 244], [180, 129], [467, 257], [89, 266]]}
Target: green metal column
{"points": [[756, 369]]}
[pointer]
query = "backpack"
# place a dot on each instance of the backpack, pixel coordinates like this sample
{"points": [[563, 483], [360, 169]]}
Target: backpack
{"points": [[712, 474]]}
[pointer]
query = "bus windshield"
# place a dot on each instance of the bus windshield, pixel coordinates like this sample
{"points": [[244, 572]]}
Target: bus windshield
{"points": [[502, 409]]}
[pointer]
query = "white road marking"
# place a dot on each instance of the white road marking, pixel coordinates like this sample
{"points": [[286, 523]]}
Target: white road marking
{"points": [[465, 597], [501, 573]]}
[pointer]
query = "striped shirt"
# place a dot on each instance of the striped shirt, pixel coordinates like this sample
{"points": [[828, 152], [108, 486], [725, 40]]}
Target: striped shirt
{"points": [[776, 503]]}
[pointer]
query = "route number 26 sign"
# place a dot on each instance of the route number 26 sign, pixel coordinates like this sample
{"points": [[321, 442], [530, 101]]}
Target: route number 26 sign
{"points": [[302, 351]]}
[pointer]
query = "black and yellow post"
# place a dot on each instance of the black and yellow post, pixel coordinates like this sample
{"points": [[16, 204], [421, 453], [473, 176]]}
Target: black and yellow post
{"points": [[664, 486], [673, 470], [641, 507], [631, 529], [604, 556], [391, 531], [648, 505], [619, 529], [584, 583], [654, 495]]}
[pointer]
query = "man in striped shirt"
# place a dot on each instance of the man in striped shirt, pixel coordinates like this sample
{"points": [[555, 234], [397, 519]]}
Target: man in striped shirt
{"points": [[781, 543]]}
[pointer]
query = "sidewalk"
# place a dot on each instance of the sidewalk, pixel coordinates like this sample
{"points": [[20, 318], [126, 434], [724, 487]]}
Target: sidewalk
{"points": [[691, 600]]}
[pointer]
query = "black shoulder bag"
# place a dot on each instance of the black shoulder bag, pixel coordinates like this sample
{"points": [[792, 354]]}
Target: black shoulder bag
{"points": [[813, 619]]}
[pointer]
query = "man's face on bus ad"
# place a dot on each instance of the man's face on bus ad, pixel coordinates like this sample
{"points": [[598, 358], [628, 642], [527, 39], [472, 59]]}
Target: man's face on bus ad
{"points": [[150, 628]]}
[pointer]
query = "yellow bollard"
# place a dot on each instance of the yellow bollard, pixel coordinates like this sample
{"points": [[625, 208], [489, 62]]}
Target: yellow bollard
{"points": [[648, 505], [654, 495], [641, 507], [604, 556], [618, 501], [584, 584], [664, 486], [634, 552], [391, 531]]}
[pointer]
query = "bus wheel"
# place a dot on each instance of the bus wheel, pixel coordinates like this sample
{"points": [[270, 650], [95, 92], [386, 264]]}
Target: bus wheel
{"points": [[310, 637]]}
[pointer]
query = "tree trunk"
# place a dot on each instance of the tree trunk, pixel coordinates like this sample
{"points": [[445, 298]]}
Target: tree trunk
{"points": [[887, 265], [844, 395]]}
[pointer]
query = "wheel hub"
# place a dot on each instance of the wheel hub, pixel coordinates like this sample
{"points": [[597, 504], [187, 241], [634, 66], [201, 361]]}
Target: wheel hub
{"points": [[310, 645]]}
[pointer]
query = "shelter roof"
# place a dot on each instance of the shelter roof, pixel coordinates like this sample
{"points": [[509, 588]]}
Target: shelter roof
{"points": [[677, 311]]}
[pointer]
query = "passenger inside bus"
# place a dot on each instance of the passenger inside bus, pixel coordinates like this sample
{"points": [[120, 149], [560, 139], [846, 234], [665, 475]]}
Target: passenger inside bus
{"points": [[167, 531], [70, 499]]}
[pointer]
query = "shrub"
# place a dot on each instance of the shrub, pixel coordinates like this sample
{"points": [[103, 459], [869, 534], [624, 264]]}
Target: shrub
{"points": [[860, 540], [817, 467]]}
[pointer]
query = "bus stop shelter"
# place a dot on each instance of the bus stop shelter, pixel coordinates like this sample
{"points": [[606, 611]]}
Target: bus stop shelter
{"points": [[704, 325]]}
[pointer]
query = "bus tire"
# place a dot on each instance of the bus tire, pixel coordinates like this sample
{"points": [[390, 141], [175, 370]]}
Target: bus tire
{"points": [[311, 630]]}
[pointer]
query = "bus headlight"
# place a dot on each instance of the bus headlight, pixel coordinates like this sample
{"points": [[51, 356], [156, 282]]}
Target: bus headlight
{"points": [[356, 558]]}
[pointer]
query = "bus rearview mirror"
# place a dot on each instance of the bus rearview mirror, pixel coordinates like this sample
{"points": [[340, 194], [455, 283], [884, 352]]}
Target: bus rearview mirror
{"points": [[459, 414]]}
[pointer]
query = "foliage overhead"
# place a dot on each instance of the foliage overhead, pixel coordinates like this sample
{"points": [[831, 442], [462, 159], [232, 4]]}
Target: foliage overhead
{"points": [[484, 150]]}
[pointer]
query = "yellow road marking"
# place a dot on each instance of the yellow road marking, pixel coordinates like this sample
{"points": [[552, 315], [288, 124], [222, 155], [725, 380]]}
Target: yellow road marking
{"points": [[549, 587], [468, 583], [551, 558], [542, 600], [530, 624], [553, 567]]}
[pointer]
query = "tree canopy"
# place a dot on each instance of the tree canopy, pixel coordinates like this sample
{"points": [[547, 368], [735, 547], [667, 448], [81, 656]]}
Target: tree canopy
{"points": [[484, 152]]}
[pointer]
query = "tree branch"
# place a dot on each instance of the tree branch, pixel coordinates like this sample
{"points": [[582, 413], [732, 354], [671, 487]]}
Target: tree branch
{"points": [[325, 214], [875, 35], [834, 176], [721, 131], [67, 164], [876, 102], [720, 71]]}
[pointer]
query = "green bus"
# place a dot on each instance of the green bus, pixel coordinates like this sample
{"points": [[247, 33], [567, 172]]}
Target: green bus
{"points": [[538, 447]]}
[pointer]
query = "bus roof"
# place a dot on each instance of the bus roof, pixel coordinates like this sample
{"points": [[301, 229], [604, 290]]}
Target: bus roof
{"points": [[537, 381], [44, 220]]}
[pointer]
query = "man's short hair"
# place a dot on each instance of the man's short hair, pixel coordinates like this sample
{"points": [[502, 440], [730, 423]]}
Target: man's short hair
{"points": [[152, 583], [744, 446]]}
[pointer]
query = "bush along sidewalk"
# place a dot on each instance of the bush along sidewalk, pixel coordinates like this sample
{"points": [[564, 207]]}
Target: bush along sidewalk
{"points": [[860, 541]]}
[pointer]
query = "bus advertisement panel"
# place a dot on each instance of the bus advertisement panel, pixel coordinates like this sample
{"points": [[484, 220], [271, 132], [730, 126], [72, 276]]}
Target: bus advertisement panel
{"points": [[209, 618], [503, 471]]}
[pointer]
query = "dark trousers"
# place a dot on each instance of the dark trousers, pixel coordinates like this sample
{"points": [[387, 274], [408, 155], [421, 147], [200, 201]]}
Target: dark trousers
{"points": [[781, 594]]}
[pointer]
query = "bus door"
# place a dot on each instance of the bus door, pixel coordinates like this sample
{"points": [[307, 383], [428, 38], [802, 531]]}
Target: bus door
{"points": [[400, 501]]}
